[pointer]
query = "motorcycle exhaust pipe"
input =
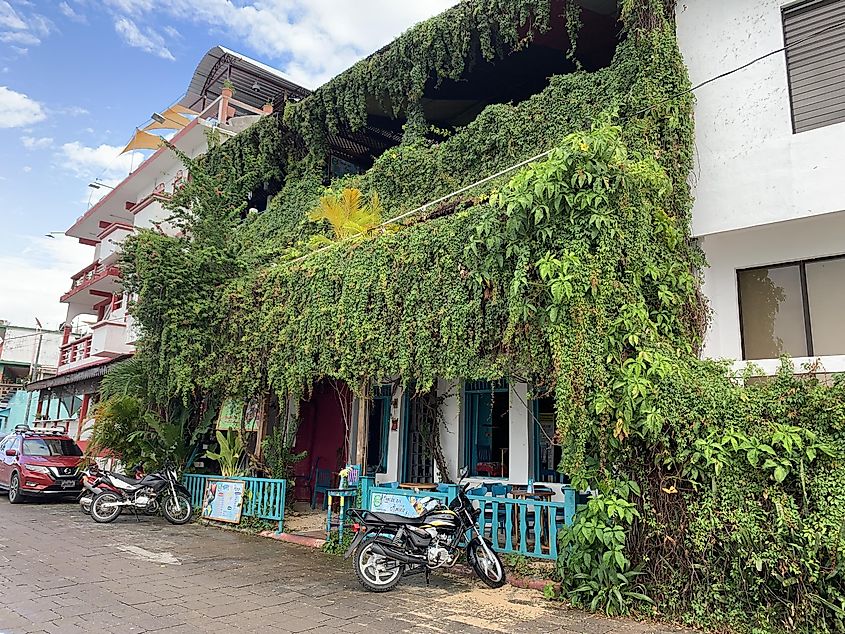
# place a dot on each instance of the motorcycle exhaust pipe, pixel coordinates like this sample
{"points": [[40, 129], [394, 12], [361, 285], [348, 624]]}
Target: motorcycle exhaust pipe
{"points": [[398, 555]]}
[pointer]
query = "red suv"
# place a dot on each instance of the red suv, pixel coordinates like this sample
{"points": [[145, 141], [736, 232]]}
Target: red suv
{"points": [[39, 462]]}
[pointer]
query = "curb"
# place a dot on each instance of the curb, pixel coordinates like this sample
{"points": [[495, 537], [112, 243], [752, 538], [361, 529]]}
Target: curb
{"points": [[301, 540]]}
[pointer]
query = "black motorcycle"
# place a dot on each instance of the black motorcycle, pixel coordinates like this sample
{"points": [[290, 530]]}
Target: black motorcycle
{"points": [[388, 546], [156, 490]]}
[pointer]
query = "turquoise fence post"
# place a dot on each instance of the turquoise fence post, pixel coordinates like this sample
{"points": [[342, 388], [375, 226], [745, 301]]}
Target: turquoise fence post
{"points": [[451, 492], [568, 505], [367, 483], [284, 487]]}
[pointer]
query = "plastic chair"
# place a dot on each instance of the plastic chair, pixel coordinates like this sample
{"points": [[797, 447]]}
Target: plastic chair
{"points": [[442, 488], [322, 484], [479, 491]]}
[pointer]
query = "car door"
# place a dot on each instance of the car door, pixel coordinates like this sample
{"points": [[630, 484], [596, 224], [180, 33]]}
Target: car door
{"points": [[4, 461]]}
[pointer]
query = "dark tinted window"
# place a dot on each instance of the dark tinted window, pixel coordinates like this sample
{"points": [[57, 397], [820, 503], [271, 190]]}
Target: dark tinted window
{"points": [[50, 447]]}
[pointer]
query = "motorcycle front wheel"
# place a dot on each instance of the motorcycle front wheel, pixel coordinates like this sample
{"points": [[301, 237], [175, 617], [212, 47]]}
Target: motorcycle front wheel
{"points": [[486, 564], [376, 572], [101, 512], [177, 510]]}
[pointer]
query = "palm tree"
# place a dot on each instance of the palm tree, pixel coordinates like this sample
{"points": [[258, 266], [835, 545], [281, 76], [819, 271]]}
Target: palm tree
{"points": [[347, 215]]}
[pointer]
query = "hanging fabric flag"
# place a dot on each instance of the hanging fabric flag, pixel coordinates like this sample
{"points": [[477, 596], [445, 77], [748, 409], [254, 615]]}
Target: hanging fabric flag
{"points": [[143, 141], [172, 121], [183, 110]]}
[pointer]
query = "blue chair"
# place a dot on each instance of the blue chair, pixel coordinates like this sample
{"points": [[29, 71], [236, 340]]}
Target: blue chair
{"points": [[498, 490], [322, 483], [390, 485], [479, 491], [442, 488]]}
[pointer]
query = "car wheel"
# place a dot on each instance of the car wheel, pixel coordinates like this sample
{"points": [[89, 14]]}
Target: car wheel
{"points": [[15, 496]]}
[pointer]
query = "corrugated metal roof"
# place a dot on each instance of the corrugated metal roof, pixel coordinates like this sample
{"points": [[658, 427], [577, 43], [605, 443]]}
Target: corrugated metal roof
{"points": [[245, 73], [84, 374]]}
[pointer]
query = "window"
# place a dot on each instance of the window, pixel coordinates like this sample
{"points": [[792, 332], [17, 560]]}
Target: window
{"points": [[487, 428], [814, 34], [378, 427], [793, 309], [50, 447]]}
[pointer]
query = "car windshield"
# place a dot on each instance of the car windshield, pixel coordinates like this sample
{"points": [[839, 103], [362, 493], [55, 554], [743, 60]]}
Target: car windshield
{"points": [[50, 447]]}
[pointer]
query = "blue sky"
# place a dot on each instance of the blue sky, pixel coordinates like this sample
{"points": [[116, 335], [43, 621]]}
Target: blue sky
{"points": [[77, 76]]}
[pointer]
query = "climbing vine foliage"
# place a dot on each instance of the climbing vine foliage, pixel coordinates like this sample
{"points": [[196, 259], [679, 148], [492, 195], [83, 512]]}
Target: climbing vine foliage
{"points": [[713, 501]]}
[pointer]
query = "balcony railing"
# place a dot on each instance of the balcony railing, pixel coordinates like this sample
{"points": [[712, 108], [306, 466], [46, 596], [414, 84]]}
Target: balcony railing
{"points": [[90, 274], [74, 351], [7, 390]]}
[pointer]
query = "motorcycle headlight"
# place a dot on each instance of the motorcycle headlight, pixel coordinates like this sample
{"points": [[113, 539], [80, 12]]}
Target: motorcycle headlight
{"points": [[37, 469]]}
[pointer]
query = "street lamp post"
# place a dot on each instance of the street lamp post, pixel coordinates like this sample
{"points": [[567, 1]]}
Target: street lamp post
{"points": [[33, 368]]}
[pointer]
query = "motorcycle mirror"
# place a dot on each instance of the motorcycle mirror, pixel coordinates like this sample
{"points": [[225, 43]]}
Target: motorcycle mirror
{"points": [[464, 472]]}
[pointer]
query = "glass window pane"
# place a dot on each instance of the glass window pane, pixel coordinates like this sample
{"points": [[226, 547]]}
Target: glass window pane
{"points": [[772, 312], [826, 295]]}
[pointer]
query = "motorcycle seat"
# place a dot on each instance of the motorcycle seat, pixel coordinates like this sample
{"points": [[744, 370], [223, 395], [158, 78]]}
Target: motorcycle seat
{"points": [[125, 479], [389, 518]]}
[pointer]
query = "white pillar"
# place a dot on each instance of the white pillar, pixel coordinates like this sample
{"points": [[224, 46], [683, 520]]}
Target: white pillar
{"points": [[450, 428], [519, 450], [393, 440]]}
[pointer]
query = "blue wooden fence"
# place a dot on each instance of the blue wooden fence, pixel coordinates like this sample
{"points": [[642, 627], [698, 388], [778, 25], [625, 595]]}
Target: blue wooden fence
{"points": [[264, 498], [522, 527]]}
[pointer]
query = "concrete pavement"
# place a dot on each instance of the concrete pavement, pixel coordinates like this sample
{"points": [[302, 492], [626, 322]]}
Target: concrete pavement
{"points": [[62, 572]]}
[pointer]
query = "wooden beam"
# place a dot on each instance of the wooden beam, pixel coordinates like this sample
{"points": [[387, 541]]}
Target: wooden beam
{"points": [[363, 428]]}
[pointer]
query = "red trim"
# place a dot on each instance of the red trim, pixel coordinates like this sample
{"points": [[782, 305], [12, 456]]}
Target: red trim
{"points": [[88, 268], [97, 293], [114, 192], [106, 272], [88, 242], [111, 227], [146, 201]]}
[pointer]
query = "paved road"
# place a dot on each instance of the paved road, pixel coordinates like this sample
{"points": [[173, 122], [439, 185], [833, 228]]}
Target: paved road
{"points": [[61, 572]]}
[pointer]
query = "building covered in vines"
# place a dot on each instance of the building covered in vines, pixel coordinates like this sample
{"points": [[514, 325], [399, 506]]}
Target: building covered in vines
{"points": [[478, 249]]}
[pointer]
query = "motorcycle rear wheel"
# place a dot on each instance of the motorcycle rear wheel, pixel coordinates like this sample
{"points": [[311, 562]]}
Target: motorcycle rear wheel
{"points": [[102, 514], [177, 510], [369, 568], [488, 567]]}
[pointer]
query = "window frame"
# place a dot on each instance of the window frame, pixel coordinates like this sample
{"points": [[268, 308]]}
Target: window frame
{"points": [[471, 391], [805, 298]]}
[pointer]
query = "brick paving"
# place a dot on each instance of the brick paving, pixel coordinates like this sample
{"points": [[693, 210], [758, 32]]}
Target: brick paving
{"points": [[62, 572]]}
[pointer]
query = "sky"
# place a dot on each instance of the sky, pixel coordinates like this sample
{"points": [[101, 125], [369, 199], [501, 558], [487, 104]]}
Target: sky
{"points": [[78, 76]]}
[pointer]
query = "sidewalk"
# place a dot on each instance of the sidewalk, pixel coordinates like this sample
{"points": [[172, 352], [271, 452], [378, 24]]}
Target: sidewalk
{"points": [[61, 572]]}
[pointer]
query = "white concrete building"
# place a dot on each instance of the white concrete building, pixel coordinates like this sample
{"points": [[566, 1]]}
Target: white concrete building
{"points": [[770, 149]]}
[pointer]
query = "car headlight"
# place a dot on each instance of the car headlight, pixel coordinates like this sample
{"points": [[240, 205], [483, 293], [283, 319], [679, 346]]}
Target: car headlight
{"points": [[37, 469]]}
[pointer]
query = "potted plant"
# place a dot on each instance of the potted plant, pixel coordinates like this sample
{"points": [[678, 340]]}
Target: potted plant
{"points": [[228, 89], [267, 108]]}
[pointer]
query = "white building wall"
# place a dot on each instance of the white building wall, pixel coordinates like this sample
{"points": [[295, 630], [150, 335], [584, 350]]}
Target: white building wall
{"points": [[751, 169], [808, 238], [763, 195], [20, 345]]}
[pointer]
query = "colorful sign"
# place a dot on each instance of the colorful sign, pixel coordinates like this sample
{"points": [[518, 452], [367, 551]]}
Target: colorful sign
{"points": [[232, 413], [223, 500], [407, 506]]}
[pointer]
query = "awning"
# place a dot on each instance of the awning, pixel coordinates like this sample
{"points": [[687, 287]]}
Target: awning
{"points": [[91, 372]]}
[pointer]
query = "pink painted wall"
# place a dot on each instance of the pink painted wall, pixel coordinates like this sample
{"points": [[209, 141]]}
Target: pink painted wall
{"points": [[322, 433]]}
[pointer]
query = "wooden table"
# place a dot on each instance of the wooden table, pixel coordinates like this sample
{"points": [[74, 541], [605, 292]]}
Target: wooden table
{"points": [[540, 494], [419, 486]]}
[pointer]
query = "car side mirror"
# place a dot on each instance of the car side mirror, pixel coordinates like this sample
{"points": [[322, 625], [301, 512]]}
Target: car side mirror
{"points": [[11, 453]]}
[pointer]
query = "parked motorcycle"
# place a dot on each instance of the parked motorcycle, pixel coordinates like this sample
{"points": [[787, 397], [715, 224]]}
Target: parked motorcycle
{"points": [[154, 491], [388, 546], [94, 482]]}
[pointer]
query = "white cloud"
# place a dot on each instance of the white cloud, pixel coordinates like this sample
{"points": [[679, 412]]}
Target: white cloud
{"points": [[37, 275], [103, 161], [69, 12], [17, 110], [26, 169], [316, 38], [21, 28], [150, 42], [9, 19], [33, 143]]}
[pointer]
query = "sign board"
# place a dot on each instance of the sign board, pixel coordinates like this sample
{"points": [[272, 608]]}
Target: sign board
{"points": [[407, 506], [223, 500], [232, 412]]}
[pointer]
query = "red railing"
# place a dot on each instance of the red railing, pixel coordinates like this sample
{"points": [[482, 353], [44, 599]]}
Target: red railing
{"points": [[90, 274], [74, 351]]}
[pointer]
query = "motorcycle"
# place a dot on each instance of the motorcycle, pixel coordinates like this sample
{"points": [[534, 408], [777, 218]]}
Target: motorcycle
{"points": [[94, 482], [156, 490], [387, 547]]}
